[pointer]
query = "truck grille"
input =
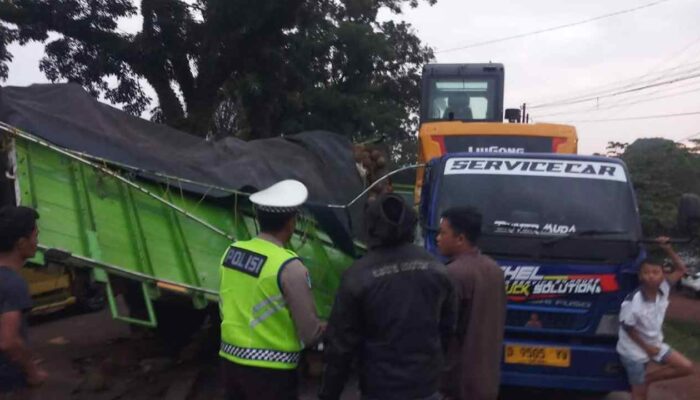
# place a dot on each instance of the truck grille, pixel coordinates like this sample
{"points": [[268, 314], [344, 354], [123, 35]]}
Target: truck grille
{"points": [[545, 320]]}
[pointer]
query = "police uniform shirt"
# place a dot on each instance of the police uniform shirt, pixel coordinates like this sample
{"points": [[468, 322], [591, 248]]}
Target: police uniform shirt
{"points": [[296, 289]]}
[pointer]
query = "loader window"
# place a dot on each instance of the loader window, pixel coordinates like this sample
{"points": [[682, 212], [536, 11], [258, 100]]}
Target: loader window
{"points": [[462, 99]]}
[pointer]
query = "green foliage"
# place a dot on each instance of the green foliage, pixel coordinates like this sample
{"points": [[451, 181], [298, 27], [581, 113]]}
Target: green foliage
{"points": [[251, 68], [683, 336], [615, 149], [661, 172], [404, 152]]}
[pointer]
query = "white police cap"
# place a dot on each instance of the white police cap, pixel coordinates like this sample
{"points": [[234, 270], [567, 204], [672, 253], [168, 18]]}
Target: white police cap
{"points": [[284, 196]]}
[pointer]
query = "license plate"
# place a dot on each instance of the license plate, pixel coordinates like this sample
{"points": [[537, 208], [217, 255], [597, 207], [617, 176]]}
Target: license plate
{"points": [[538, 355]]}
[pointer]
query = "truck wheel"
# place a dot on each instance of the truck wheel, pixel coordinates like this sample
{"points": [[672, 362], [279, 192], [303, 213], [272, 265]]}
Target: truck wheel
{"points": [[89, 295], [178, 321]]}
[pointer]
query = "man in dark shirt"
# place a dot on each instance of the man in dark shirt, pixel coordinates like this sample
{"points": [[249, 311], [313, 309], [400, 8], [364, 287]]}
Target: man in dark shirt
{"points": [[394, 311], [474, 359], [18, 243]]}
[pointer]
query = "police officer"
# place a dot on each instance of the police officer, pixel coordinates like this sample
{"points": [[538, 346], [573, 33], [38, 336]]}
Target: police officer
{"points": [[267, 310]]}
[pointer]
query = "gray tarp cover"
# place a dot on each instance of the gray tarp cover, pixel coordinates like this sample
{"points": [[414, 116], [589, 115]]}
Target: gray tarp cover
{"points": [[67, 116]]}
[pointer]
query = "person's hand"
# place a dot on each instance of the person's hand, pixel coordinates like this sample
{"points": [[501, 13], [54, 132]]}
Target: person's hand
{"points": [[652, 350], [37, 377], [664, 242]]}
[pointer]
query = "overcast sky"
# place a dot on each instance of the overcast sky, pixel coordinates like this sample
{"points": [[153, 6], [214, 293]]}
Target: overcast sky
{"points": [[559, 64]]}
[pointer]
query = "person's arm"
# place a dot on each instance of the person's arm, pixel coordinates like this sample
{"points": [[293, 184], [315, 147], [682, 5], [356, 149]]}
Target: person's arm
{"points": [[634, 335], [465, 298], [343, 338], [680, 269], [296, 289], [14, 348], [462, 284], [448, 315]]}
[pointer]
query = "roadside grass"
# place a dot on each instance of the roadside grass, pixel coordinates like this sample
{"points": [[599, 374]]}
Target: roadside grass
{"points": [[684, 336]]}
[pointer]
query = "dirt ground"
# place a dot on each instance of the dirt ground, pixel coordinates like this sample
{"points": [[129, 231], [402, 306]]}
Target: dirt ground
{"points": [[92, 356], [685, 306]]}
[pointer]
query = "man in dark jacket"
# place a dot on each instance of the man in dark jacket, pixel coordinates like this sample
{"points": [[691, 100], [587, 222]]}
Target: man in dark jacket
{"points": [[394, 311]]}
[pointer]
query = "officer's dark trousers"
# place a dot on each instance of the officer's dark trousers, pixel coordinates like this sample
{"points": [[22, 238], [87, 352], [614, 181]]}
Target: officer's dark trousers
{"points": [[251, 383]]}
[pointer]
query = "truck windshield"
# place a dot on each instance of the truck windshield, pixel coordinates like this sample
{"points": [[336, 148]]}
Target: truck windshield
{"points": [[462, 99], [542, 198]]}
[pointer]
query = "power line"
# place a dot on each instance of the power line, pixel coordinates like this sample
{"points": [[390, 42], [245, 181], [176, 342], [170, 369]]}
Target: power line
{"points": [[632, 90], [665, 75], [630, 100], [554, 28], [661, 90], [657, 76], [623, 104], [678, 54], [637, 118], [654, 71], [672, 56]]}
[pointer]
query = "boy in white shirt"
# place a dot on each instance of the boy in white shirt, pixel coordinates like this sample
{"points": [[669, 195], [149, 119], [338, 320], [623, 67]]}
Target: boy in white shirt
{"points": [[641, 319]]}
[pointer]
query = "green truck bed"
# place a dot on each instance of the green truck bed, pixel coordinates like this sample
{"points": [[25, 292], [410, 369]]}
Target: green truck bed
{"points": [[154, 233]]}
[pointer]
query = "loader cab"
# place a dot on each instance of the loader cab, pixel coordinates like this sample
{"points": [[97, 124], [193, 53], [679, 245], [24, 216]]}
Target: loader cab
{"points": [[462, 92]]}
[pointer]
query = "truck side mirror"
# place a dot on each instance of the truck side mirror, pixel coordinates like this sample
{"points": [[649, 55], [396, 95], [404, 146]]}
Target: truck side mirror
{"points": [[689, 214]]}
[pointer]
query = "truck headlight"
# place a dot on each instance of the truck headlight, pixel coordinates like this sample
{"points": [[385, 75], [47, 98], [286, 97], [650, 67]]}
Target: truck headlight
{"points": [[609, 325]]}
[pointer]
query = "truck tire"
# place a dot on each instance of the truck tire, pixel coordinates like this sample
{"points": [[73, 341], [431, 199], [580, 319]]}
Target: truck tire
{"points": [[178, 321], [90, 296]]}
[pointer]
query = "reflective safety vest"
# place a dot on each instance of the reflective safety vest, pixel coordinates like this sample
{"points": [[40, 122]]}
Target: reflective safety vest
{"points": [[256, 326]]}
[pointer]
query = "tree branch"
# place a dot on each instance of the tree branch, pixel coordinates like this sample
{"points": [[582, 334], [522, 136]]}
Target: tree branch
{"points": [[119, 46], [173, 18], [154, 67]]}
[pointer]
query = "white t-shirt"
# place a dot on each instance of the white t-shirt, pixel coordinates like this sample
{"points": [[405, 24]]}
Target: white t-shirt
{"points": [[646, 316]]}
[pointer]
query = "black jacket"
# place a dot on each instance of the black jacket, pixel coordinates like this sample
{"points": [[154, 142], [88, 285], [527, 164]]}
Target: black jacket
{"points": [[394, 311]]}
